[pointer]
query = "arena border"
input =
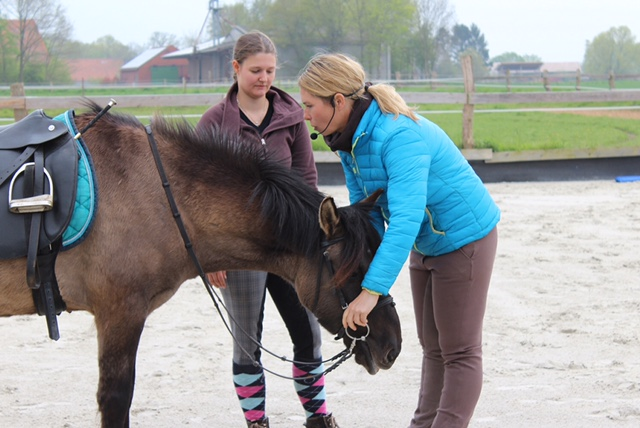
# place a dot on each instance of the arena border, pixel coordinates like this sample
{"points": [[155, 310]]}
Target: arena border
{"points": [[535, 169]]}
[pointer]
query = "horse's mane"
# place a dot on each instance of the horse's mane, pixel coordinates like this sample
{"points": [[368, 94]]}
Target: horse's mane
{"points": [[288, 204], [115, 120]]}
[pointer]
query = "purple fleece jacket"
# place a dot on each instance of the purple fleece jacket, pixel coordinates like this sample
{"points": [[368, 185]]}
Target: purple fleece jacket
{"points": [[286, 138]]}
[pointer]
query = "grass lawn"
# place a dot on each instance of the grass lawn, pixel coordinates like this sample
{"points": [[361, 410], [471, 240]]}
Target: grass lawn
{"points": [[543, 131]]}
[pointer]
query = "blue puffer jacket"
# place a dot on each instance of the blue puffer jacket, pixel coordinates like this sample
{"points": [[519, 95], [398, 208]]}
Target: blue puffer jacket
{"points": [[433, 201]]}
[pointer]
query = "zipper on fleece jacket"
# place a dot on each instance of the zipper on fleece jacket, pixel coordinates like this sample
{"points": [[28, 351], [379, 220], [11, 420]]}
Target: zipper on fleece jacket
{"points": [[356, 168], [356, 171]]}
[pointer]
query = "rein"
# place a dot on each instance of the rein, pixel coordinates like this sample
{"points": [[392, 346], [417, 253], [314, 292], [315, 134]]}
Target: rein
{"points": [[217, 301]]}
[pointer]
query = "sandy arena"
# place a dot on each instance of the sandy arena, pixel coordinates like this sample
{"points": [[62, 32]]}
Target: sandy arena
{"points": [[562, 337]]}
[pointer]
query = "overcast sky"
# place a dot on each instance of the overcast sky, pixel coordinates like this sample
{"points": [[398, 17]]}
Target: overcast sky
{"points": [[554, 30]]}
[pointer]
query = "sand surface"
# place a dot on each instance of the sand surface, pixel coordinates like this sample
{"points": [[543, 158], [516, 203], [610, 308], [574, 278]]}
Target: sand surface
{"points": [[562, 337]]}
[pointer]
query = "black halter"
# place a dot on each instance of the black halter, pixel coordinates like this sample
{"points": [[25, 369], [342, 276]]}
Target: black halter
{"points": [[326, 260]]}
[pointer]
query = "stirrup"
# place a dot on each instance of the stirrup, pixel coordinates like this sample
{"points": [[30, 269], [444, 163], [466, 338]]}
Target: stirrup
{"points": [[33, 204]]}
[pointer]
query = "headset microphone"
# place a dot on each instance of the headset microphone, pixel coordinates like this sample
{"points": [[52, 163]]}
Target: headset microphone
{"points": [[314, 135]]}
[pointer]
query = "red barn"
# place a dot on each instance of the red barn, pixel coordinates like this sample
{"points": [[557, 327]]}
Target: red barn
{"points": [[100, 70], [151, 67]]}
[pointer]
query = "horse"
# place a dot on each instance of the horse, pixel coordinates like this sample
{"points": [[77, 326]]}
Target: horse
{"points": [[241, 209]]}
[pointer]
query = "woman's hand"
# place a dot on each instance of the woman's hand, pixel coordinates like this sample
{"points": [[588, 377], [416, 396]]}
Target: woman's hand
{"points": [[358, 310], [218, 279]]}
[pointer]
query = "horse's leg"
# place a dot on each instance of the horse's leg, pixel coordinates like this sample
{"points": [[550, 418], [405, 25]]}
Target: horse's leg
{"points": [[118, 338]]}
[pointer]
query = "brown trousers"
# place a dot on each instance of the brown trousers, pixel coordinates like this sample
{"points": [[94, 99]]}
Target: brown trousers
{"points": [[449, 299]]}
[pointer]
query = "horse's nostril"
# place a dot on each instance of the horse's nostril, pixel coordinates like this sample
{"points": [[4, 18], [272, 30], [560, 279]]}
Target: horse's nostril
{"points": [[392, 355]]}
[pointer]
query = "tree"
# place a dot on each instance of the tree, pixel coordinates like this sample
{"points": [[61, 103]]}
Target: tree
{"points": [[291, 26], [240, 15], [332, 21], [466, 39], [514, 57], [8, 53], [426, 47], [36, 21], [161, 40], [56, 31], [109, 47], [379, 26], [445, 66], [614, 51]]}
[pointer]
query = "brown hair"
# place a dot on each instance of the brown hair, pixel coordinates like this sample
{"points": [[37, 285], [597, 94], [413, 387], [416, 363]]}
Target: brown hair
{"points": [[252, 43], [328, 74]]}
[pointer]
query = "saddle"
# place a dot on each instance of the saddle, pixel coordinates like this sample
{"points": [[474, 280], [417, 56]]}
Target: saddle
{"points": [[38, 180]]}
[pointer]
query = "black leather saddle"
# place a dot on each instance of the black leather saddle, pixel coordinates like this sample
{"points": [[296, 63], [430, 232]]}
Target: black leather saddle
{"points": [[38, 182]]}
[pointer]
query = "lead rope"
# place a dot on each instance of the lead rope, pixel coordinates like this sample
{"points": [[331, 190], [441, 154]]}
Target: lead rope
{"points": [[217, 301]]}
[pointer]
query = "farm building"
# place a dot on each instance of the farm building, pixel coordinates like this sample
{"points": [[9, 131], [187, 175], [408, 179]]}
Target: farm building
{"points": [[94, 70], [210, 61], [534, 68], [152, 66]]}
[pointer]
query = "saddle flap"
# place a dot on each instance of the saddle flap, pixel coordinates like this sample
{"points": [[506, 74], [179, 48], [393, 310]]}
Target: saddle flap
{"points": [[61, 163], [35, 129]]}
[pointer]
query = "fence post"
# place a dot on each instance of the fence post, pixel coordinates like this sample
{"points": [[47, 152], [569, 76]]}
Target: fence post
{"points": [[508, 75], [612, 81], [578, 79], [467, 110], [17, 90], [545, 80]]}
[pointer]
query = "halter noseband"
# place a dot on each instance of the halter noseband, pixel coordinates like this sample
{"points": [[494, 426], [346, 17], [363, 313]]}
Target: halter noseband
{"points": [[326, 260]]}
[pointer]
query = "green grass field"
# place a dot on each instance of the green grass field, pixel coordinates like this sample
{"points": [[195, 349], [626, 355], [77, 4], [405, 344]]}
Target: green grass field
{"points": [[543, 131]]}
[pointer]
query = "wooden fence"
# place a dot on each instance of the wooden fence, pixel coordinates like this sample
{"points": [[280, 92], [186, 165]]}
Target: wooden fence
{"points": [[467, 100], [29, 103]]}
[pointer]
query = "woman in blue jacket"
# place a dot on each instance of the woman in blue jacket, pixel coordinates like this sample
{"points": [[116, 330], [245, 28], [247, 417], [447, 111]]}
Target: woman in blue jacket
{"points": [[434, 210]]}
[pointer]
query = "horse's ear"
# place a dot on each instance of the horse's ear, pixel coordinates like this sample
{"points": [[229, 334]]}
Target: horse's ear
{"points": [[329, 219], [371, 200]]}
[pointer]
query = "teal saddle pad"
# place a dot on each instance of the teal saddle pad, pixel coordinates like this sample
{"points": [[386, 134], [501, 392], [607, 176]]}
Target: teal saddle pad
{"points": [[86, 203]]}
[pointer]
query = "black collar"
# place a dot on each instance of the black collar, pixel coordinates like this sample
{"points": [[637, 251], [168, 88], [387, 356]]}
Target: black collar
{"points": [[342, 140]]}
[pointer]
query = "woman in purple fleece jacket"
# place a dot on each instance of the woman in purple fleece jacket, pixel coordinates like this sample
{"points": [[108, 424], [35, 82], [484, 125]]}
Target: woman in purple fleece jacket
{"points": [[267, 116], [434, 210]]}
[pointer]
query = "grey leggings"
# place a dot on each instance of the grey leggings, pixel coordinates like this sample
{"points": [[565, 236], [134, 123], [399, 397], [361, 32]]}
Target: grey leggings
{"points": [[449, 299], [245, 297]]}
